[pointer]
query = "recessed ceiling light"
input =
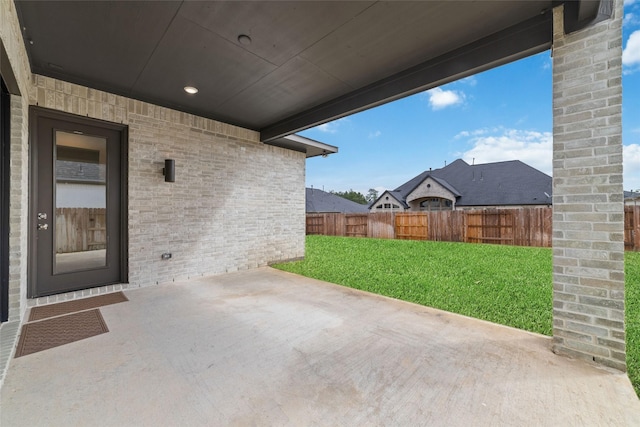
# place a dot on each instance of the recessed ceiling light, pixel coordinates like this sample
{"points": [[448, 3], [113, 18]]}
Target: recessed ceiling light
{"points": [[244, 39], [190, 89]]}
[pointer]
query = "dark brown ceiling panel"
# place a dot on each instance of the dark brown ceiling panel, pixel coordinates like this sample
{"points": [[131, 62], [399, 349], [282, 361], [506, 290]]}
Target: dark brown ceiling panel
{"points": [[101, 44], [285, 92], [307, 62], [279, 30], [413, 31], [354, 53], [191, 55]]}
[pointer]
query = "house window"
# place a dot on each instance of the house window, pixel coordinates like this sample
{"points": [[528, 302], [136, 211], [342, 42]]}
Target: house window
{"points": [[436, 204], [390, 206]]}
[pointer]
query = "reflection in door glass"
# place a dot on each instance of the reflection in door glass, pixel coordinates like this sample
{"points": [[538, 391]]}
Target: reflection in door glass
{"points": [[80, 202]]}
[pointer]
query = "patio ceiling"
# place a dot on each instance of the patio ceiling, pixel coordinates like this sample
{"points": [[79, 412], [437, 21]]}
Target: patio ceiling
{"points": [[304, 63]]}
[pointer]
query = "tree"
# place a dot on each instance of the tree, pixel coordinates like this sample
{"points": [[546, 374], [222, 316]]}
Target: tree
{"points": [[354, 196], [372, 195]]}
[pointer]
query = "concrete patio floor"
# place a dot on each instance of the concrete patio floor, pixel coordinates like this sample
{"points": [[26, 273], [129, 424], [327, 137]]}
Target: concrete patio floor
{"points": [[264, 347]]}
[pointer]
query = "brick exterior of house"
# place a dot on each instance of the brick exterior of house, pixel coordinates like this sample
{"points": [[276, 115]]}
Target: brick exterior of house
{"points": [[588, 211], [239, 204], [236, 204]]}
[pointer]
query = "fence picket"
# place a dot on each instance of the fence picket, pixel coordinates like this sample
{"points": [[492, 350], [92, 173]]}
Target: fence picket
{"points": [[80, 229], [519, 227]]}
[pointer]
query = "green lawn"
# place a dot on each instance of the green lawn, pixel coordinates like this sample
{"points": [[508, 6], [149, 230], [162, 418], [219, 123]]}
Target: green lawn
{"points": [[632, 316], [503, 284]]}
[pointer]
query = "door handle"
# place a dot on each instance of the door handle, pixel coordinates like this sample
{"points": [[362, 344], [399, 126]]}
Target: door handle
{"points": [[43, 226]]}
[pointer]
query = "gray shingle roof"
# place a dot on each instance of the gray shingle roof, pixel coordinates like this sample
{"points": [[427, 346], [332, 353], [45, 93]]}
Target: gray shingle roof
{"points": [[501, 183], [80, 171], [318, 201]]}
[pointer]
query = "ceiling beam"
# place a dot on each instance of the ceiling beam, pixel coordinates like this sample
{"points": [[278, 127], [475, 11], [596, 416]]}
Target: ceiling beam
{"points": [[580, 14], [521, 40]]}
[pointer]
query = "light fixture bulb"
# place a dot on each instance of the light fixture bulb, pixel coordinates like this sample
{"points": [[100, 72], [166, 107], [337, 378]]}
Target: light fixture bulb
{"points": [[190, 89], [244, 39]]}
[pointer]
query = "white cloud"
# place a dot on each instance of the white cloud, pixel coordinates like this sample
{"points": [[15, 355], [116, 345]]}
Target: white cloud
{"points": [[439, 98], [532, 148], [629, 2], [631, 159], [631, 52], [375, 134], [471, 81], [331, 127], [477, 132], [326, 127], [630, 19]]}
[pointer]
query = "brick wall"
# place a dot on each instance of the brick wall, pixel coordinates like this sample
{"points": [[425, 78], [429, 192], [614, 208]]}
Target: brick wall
{"points": [[588, 218], [18, 70], [236, 203]]}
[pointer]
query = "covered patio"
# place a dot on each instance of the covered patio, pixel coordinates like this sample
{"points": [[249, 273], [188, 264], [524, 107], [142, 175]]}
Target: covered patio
{"points": [[264, 347]]}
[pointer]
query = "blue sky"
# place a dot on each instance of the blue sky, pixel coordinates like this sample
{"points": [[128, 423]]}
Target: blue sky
{"points": [[501, 114]]}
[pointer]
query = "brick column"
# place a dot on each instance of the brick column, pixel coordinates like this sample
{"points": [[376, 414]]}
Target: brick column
{"points": [[588, 211]]}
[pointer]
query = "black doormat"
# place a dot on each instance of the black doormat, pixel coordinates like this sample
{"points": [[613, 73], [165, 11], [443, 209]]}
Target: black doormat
{"points": [[57, 331], [51, 310]]}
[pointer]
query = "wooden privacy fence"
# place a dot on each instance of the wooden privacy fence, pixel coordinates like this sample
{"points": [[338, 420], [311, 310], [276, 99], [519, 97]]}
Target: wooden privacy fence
{"points": [[632, 228], [80, 229], [378, 225], [519, 227]]}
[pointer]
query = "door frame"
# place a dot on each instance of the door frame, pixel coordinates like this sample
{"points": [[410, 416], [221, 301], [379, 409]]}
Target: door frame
{"points": [[35, 113], [5, 183]]}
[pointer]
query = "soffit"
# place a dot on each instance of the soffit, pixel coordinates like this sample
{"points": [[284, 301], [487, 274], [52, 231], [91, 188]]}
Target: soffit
{"points": [[310, 147], [308, 62]]}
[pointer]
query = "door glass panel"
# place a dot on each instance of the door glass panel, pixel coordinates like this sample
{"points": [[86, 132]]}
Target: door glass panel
{"points": [[80, 202]]}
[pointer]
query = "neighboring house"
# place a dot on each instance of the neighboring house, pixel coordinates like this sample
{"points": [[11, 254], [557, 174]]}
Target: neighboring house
{"points": [[318, 201], [80, 177], [460, 185], [632, 198]]}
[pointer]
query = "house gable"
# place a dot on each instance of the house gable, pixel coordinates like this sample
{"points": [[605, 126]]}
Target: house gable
{"points": [[389, 201], [429, 188]]}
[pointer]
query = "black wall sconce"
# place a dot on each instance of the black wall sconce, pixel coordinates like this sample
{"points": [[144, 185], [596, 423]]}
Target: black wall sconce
{"points": [[169, 170]]}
